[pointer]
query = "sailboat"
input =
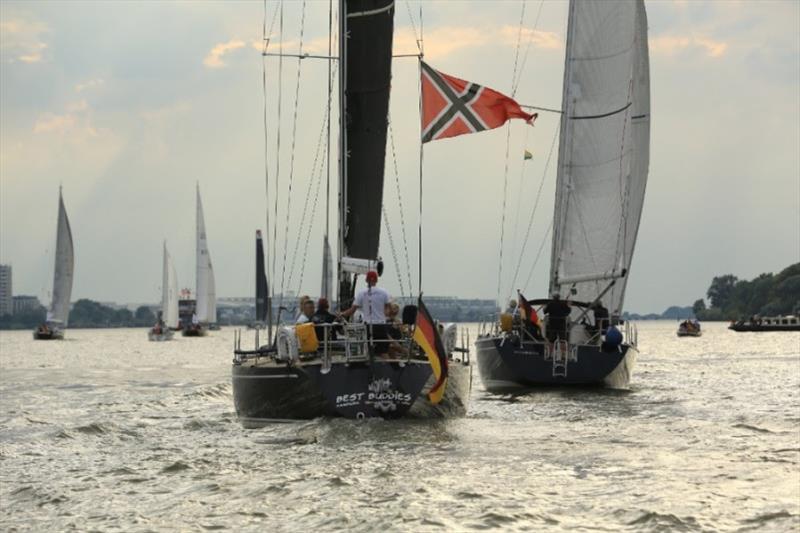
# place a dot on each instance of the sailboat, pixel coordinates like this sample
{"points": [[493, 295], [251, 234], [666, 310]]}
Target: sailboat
{"points": [[168, 315], [344, 369], [602, 172], [263, 301], [58, 313], [205, 313]]}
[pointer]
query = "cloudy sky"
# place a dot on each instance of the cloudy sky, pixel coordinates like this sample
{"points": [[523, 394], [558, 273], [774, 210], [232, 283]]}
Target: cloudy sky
{"points": [[129, 105]]}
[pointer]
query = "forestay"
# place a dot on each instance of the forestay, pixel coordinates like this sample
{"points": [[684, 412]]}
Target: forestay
{"points": [[64, 269], [603, 150], [206, 306]]}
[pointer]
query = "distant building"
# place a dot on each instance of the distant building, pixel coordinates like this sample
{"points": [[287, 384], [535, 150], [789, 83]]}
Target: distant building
{"points": [[24, 303], [6, 294]]}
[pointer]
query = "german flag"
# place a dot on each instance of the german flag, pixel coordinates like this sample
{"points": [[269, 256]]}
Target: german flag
{"points": [[527, 311], [426, 335]]}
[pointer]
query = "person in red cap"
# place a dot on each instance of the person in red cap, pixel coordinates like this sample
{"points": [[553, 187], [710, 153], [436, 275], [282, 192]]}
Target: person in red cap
{"points": [[371, 301]]}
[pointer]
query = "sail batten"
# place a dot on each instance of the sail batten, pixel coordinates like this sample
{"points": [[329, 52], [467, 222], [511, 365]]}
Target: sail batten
{"points": [[603, 150], [63, 270]]}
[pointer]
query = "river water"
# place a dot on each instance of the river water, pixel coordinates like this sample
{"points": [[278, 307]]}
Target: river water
{"points": [[107, 431]]}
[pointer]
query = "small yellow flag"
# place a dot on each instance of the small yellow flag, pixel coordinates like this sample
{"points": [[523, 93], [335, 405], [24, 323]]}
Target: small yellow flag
{"points": [[528, 155]]}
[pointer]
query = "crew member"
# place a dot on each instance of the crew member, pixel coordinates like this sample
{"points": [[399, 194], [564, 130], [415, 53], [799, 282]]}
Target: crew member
{"points": [[600, 317], [557, 312], [306, 312], [372, 301]]}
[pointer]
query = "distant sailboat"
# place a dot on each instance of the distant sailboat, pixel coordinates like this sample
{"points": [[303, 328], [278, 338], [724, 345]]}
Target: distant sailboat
{"points": [[602, 173], [168, 316], [205, 313], [58, 314]]}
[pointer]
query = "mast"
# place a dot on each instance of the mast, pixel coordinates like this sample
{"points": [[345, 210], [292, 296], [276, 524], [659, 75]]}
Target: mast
{"points": [[365, 62]]}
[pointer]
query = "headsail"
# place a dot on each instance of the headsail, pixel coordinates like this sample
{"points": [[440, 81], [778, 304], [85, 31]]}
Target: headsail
{"points": [[169, 292], [603, 150], [206, 307], [262, 290], [366, 62], [64, 268]]}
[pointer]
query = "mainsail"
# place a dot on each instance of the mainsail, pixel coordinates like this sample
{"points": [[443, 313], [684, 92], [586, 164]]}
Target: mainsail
{"points": [[206, 306], [262, 290], [366, 63], [603, 150], [169, 292], [64, 268]]}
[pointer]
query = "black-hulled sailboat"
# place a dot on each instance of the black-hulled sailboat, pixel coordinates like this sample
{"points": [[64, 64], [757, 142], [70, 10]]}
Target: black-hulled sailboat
{"points": [[333, 369], [58, 313], [602, 171]]}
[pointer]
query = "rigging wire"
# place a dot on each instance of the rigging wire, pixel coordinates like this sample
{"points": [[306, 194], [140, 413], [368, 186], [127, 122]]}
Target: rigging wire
{"points": [[402, 209], [266, 41], [505, 171], [527, 49], [533, 211], [278, 155], [538, 254], [316, 166], [394, 251], [417, 39], [292, 150]]}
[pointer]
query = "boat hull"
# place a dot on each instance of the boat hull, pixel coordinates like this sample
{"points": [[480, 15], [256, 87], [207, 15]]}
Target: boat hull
{"points": [[507, 365], [193, 332], [264, 392], [165, 335], [56, 335], [689, 333], [754, 327]]}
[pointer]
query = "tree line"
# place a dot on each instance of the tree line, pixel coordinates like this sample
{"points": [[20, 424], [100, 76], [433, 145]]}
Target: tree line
{"points": [[731, 298], [84, 314]]}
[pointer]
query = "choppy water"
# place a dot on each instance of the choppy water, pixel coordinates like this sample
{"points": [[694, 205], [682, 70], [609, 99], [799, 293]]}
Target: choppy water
{"points": [[108, 431]]}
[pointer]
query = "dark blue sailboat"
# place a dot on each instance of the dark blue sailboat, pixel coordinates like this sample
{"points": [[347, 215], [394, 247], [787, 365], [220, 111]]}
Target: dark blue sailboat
{"points": [[602, 172]]}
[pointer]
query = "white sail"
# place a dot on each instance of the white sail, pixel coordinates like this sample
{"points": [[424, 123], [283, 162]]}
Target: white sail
{"points": [[327, 270], [64, 269], [603, 150], [169, 292], [206, 309]]}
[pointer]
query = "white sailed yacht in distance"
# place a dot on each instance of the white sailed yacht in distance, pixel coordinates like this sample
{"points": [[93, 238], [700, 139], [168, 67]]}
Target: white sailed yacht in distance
{"points": [[205, 313], [168, 316], [58, 313]]}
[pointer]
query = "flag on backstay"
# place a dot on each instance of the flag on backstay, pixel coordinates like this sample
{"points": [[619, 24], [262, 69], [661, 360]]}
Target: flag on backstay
{"points": [[427, 337], [527, 156], [527, 311], [451, 106]]}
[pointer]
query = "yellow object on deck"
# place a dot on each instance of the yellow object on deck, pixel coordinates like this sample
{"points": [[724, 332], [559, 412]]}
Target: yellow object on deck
{"points": [[506, 321], [307, 337]]}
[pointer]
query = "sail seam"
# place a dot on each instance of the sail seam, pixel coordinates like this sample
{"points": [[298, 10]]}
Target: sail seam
{"points": [[371, 12]]}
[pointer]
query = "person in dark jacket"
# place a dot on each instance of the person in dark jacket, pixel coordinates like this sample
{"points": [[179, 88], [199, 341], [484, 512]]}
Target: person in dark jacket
{"points": [[557, 312], [600, 317]]}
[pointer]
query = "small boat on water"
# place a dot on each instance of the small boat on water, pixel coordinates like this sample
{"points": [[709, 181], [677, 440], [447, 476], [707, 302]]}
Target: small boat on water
{"points": [[602, 171], [408, 368], [767, 323], [689, 328], [58, 313], [168, 315], [205, 311]]}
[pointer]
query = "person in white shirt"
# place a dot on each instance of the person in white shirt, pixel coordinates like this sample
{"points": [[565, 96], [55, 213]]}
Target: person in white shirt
{"points": [[307, 312], [371, 301]]}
